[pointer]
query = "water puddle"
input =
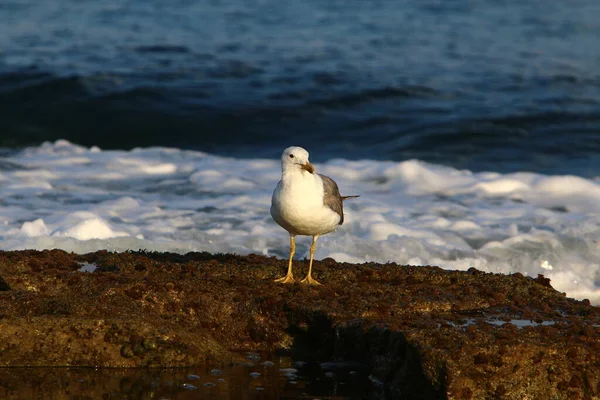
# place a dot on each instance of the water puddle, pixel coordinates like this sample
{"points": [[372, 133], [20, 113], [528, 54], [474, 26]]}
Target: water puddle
{"points": [[87, 267], [270, 377], [519, 323]]}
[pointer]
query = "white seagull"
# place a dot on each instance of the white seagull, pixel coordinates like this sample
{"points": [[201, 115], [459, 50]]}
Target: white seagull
{"points": [[305, 203]]}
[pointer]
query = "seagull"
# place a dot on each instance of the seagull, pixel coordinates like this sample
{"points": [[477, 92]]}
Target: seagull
{"points": [[305, 203]]}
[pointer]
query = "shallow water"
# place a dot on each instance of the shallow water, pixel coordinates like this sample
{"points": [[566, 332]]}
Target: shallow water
{"points": [[261, 378]]}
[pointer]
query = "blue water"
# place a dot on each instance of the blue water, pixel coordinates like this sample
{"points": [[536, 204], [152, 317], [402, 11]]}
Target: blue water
{"points": [[484, 84]]}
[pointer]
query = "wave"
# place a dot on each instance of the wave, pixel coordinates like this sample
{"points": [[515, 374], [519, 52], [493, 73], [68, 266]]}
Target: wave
{"points": [[124, 111], [61, 195]]}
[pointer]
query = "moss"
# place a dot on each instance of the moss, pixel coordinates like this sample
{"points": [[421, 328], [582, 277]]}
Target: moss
{"points": [[419, 329]]}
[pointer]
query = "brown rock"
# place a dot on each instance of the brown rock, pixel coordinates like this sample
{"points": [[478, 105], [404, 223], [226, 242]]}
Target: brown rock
{"points": [[442, 334]]}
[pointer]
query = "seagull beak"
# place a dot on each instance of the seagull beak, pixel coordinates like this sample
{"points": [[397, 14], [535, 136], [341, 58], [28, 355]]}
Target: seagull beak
{"points": [[307, 167]]}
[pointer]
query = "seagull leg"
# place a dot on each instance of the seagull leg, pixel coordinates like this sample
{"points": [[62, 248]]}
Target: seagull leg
{"points": [[289, 277], [309, 279]]}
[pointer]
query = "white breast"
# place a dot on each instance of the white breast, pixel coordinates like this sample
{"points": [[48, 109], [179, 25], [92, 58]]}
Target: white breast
{"points": [[297, 205]]}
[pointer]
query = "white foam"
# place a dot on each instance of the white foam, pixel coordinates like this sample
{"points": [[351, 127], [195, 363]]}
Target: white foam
{"points": [[79, 199], [35, 228], [89, 228]]}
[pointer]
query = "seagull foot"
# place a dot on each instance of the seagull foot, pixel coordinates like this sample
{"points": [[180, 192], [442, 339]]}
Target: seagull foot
{"points": [[286, 279], [310, 281]]}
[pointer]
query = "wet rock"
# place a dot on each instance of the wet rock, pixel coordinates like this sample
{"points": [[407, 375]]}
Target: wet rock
{"points": [[127, 351], [149, 344], [3, 285], [442, 334]]}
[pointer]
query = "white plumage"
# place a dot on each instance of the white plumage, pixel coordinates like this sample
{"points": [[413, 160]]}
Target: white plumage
{"points": [[305, 203], [297, 205]]}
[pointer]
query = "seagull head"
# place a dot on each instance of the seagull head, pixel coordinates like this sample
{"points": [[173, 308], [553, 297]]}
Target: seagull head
{"points": [[295, 158]]}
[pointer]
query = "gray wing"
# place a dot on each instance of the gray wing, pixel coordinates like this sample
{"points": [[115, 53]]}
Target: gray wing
{"points": [[332, 197]]}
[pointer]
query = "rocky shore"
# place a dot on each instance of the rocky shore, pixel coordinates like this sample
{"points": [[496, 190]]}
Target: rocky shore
{"points": [[423, 332]]}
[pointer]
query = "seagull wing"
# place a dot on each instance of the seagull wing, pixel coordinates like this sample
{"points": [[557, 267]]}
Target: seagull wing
{"points": [[332, 197]]}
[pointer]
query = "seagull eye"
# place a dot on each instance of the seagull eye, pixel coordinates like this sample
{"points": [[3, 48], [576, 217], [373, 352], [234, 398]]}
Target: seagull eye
{"points": [[291, 156]]}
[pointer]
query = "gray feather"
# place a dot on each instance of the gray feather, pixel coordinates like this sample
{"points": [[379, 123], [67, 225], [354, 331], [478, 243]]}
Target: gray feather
{"points": [[332, 197]]}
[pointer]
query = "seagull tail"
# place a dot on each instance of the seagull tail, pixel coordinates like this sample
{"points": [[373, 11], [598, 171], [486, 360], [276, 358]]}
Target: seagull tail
{"points": [[349, 197]]}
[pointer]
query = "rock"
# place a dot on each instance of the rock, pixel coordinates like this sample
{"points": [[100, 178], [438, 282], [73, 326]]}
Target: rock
{"points": [[442, 334], [3, 285]]}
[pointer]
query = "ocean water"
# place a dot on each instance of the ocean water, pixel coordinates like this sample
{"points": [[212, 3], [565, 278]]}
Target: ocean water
{"points": [[61, 195], [484, 85], [471, 130]]}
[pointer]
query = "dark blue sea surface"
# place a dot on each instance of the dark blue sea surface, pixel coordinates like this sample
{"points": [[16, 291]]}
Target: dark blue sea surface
{"points": [[501, 85]]}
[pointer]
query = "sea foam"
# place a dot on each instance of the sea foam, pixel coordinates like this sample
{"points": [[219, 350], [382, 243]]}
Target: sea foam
{"points": [[60, 195]]}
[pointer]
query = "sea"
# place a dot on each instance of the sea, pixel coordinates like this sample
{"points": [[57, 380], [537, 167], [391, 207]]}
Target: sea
{"points": [[470, 129]]}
